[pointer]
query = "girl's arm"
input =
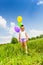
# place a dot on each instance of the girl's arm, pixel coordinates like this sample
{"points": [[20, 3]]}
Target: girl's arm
{"points": [[27, 37], [19, 37]]}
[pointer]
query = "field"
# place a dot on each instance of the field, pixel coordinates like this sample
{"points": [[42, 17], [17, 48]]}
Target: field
{"points": [[13, 54]]}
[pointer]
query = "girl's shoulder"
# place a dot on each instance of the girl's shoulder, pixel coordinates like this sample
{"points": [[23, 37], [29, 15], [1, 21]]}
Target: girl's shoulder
{"points": [[22, 32]]}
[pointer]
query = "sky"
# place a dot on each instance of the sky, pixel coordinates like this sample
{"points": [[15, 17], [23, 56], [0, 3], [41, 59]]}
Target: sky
{"points": [[31, 12]]}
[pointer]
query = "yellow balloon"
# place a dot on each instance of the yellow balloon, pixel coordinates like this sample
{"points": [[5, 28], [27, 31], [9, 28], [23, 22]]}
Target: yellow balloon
{"points": [[19, 18]]}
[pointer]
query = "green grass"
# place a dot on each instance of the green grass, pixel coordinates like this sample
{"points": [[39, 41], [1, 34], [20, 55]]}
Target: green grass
{"points": [[13, 54]]}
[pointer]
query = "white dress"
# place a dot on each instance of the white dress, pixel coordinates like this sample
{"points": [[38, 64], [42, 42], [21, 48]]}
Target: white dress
{"points": [[22, 36]]}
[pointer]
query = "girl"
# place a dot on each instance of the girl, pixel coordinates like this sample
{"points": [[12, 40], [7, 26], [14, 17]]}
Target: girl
{"points": [[23, 37]]}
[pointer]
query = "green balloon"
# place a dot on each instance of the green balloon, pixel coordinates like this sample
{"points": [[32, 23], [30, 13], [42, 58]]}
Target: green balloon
{"points": [[19, 24]]}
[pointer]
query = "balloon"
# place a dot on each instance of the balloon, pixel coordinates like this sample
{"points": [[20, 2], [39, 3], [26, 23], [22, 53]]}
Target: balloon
{"points": [[19, 18], [19, 24], [17, 29]]}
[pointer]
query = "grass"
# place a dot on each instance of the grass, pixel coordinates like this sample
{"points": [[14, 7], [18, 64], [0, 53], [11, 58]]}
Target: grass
{"points": [[12, 54]]}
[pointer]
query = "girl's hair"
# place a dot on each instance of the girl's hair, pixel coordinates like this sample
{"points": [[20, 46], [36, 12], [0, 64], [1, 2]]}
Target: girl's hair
{"points": [[21, 25]]}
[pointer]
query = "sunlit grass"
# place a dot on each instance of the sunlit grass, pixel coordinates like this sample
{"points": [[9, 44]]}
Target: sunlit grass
{"points": [[13, 54]]}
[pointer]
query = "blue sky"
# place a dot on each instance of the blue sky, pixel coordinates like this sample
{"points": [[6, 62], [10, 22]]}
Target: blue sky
{"points": [[30, 10]]}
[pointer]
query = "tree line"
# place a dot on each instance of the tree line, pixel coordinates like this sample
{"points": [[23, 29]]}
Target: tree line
{"points": [[37, 37], [15, 40]]}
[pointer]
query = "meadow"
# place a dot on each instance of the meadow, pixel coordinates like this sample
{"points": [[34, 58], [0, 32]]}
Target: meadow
{"points": [[13, 54]]}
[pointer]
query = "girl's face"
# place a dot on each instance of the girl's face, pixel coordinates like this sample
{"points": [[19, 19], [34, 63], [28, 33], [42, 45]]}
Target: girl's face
{"points": [[22, 28]]}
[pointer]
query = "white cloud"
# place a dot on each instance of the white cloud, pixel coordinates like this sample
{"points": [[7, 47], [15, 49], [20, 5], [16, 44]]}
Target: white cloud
{"points": [[5, 39], [3, 22], [34, 33], [11, 29], [39, 2]]}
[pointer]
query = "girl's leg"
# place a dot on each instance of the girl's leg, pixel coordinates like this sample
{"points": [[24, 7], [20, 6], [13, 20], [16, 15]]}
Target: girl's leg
{"points": [[25, 46]]}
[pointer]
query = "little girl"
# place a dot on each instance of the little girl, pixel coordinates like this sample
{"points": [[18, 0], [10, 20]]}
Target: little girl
{"points": [[23, 37]]}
